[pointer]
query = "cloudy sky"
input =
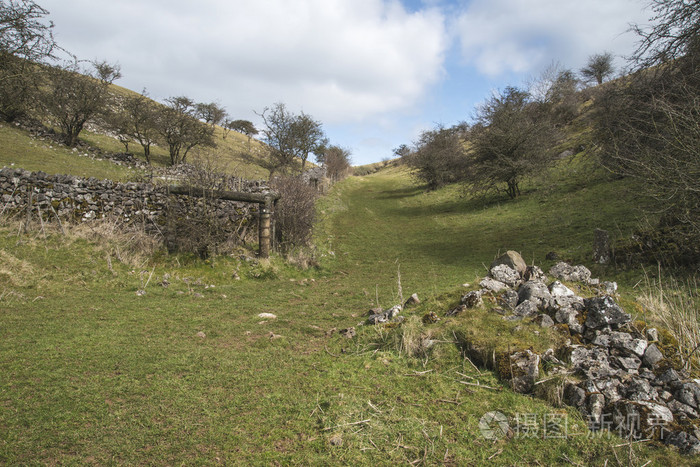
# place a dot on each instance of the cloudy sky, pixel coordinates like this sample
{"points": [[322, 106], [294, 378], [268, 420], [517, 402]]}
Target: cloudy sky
{"points": [[375, 72]]}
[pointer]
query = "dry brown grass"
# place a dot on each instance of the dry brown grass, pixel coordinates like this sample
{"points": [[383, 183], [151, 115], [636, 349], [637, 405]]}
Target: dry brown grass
{"points": [[676, 305]]}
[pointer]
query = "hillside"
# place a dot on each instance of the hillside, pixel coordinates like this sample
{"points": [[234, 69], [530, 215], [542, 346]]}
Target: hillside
{"points": [[189, 372]]}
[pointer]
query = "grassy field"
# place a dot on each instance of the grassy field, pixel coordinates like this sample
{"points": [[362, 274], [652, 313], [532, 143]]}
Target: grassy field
{"points": [[92, 372]]}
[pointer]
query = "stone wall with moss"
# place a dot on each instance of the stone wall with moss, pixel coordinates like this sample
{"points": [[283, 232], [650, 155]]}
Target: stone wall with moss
{"points": [[81, 199]]}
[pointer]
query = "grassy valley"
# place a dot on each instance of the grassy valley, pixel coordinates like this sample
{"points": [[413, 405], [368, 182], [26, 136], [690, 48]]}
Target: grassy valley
{"points": [[189, 373]]}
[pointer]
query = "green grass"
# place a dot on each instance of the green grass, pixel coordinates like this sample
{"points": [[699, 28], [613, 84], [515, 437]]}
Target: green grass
{"points": [[19, 149], [90, 372]]}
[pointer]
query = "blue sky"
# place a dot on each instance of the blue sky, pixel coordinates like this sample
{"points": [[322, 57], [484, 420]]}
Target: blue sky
{"points": [[375, 72]]}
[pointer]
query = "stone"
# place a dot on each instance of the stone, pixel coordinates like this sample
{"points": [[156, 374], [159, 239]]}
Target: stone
{"points": [[534, 291], [511, 259], [652, 356], [626, 363], [593, 363], [603, 312], [686, 443], [472, 299], [526, 308], [669, 376], [622, 341], [566, 272], [640, 390], [412, 300], [492, 285], [557, 289], [430, 318], [267, 315], [574, 396], [569, 316], [336, 440], [608, 288], [506, 274], [601, 247], [525, 369], [688, 394], [678, 407], [543, 320], [201, 335], [534, 273], [348, 333], [508, 299], [596, 405]]}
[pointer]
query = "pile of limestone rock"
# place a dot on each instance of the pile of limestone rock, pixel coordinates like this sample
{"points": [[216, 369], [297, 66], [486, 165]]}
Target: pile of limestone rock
{"points": [[616, 374]]}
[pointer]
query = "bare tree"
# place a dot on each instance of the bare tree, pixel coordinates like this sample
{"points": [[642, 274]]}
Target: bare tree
{"points": [[180, 128], [310, 137], [512, 141], [23, 33], [75, 95], [289, 138], [598, 68], [212, 113], [24, 40], [647, 126], [336, 160], [674, 32], [135, 118], [439, 157]]}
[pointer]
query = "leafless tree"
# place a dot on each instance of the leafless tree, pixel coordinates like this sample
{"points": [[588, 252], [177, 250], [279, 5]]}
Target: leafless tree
{"points": [[74, 95], [180, 128], [511, 141], [25, 39], [439, 157], [599, 67], [135, 118], [336, 160]]}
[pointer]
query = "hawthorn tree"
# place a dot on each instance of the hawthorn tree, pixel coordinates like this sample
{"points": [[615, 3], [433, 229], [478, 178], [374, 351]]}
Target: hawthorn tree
{"points": [[511, 141], [74, 95], [336, 160], [25, 39], [180, 128], [289, 138], [439, 157], [135, 118], [598, 68]]}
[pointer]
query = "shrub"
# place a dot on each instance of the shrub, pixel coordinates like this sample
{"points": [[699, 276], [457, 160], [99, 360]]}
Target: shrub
{"points": [[294, 213]]}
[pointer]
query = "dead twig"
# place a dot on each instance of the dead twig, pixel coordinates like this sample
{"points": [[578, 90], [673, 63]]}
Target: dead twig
{"points": [[347, 424]]}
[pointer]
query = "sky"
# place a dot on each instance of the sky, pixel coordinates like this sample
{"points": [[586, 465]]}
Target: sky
{"points": [[375, 72]]}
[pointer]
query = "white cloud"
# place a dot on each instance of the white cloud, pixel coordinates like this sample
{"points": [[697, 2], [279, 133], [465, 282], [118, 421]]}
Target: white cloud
{"points": [[517, 36], [339, 60]]}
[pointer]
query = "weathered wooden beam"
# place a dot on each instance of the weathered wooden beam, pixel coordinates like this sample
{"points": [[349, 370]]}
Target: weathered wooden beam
{"points": [[260, 198]]}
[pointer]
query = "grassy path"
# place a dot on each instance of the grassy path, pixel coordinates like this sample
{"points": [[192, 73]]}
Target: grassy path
{"points": [[92, 373]]}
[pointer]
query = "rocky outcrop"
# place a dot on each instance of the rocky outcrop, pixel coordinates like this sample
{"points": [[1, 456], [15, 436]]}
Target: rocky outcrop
{"points": [[616, 374]]}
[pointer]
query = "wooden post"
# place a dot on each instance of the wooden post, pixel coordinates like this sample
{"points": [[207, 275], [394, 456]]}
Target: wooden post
{"points": [[264, 229]]}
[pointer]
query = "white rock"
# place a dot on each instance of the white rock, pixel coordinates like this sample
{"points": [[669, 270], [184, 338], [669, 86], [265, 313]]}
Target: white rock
{"points": [[267, 315]]}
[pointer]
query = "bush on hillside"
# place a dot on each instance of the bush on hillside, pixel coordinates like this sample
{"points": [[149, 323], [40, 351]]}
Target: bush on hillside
{"points": [[295, 212]]}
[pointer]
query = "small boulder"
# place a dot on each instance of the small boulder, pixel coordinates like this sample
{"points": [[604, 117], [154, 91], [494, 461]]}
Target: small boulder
{"points": [[557, 289], [526, 308], [412, 300], [535, 291], [508, 299], [543, 320], [348, 333], [506, 274], [472, 299], [513, 260], [603, 312], [525, 369], [566, 272], [652, 356], [492, 285]]}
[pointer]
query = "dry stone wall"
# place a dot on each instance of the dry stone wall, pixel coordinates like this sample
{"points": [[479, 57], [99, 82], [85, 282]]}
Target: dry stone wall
{"points": [[81, 199]]}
